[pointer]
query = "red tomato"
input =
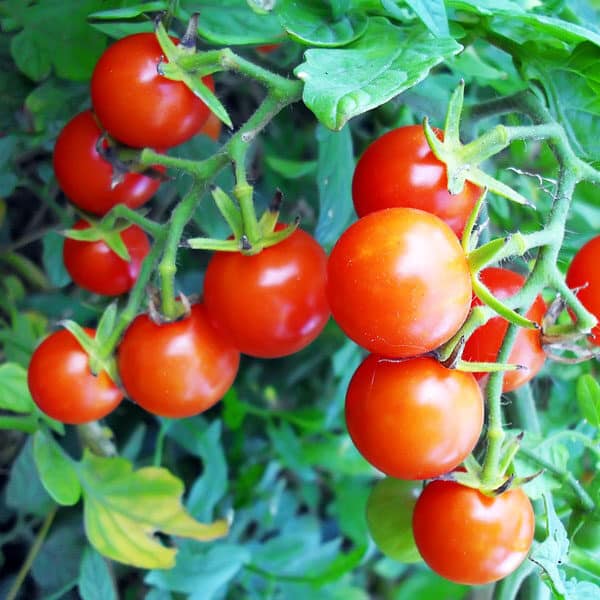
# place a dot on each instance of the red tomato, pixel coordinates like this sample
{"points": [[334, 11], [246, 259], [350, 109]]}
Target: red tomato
{"points": [[273, 303], [136, 104], [95, 267], [398, 282], [267, 48], [399, 169], [413, 419], [584, 271], [86, 178], [62, 385], [212, 127], [484, 344], [178, 369], [471, 538]]}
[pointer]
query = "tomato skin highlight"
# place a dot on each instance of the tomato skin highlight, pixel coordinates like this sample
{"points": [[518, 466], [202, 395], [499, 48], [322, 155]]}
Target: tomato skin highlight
{"points": [[273, 303], [398, 282], [86, 178], [583, 271], [484, 343], [177, 369], [136, 104], [96, 268], [413, 419], [62, 384], [399, 169], [471, 538]]}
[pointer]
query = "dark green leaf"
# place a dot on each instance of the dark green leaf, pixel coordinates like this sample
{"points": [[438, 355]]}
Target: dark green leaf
{"points": [[130, 11], [95, 581], [53, 260], [291, 169]]}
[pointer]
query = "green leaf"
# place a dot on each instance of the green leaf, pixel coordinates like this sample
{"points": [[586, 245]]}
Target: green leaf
{"points": [[291, 169], [431, 12], [95, 581], [344, 82], [129, 12], [234, 411], [14, 392], [52, 258], [588, 398], [57, 471], [429, 586], [123, 508], [312, 22], [334, 178]]}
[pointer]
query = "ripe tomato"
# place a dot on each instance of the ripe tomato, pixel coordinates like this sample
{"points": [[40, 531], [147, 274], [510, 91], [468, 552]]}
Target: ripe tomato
{"points": [[399, 169], [413, 419], [389, 517], [584, 271], [62, 385], [398, 282], [136, 104], [484, 343], [212, 127], [178, 369], [95, 267], [471, 538], [86, 178], [273, 303]]}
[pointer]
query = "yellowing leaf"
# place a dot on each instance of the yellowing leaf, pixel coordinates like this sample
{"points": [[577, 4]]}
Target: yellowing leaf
{"points": [[123, 509]]}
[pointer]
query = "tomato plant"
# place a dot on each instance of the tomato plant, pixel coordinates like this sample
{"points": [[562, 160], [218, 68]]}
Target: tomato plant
{"points": [[399, 169], [273, 303], [176, 369], [62, 384], [484, 343], [398, 282], [86, 177], [95, 267], [471, 538], [413, 419], [136, 104]]}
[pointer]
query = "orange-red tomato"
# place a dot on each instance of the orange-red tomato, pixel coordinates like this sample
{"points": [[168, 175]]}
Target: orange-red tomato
{"points": [[413, 419], [62, 384], [484, 344], [471, 538], [212, 127], [398, 282], [177, 369], [399, 169]]}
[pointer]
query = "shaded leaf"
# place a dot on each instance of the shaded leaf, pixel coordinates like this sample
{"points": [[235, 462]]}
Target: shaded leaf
{"points": [[95, 582]]}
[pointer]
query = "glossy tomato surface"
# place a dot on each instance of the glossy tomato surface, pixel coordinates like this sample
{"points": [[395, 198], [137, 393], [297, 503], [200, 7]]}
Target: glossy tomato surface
{"points": [[86, 178], [399, 169], [177, 369], [136, 104], [62, 384], [413, 419], [471, 538], [584, 273], [96, 268], [398, 282], [389, 517], [273, 303], [484, 344]]}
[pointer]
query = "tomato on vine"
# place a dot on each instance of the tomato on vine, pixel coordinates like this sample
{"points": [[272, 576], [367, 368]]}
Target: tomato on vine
{"points": [[273, 303], [96, 268], [136, 104], [399, 169], [176, 369], [468, 537], [484, 344], [62, 384], [86, 177], [414, 418], [398, 282]]}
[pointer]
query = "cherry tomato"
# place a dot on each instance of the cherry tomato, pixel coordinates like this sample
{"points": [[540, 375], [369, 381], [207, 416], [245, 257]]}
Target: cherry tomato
{"points": [[471, 538], [398, 282], [484, 344], [95, 267], [212, 127], [389, 517], [584, 273], [177, 369], [86, 178], [136, 104], [399, 169], [273, 303], [62, 384], [413, 419]]}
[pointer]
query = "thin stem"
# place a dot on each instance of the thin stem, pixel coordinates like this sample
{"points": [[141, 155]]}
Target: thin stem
{"points": [[120, 211]]}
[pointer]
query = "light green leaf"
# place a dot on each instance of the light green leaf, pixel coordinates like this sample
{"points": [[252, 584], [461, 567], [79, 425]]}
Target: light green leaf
{"points": [[431, 12], [588, 398], [14, 392]]}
